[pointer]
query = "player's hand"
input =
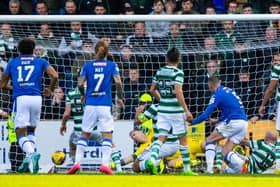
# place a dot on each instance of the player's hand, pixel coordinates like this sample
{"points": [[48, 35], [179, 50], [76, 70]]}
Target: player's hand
{"points": [[140, 108], [213, 121], [254, 119], [120, 103], [63, 129], [47, 92], [4, 115], [189, 117], [262, 111]]}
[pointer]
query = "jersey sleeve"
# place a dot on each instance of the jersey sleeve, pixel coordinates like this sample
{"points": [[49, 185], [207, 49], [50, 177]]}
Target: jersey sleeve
{"points": [[254, 144], [67, 99], [275, 73], [83, 71], [45, 64], [116, 70], [179, 78], [155, 78], [211, 107]]}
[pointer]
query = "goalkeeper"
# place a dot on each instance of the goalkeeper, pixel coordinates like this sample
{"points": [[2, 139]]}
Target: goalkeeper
{"points": [[262, 156], [144, 134]]}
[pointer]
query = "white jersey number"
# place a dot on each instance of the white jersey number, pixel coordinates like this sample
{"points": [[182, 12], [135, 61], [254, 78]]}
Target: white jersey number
{"points": [[29, 70], [99, 78]]}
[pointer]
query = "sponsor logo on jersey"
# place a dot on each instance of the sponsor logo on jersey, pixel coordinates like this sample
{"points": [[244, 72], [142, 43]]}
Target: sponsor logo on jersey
{"points": [[99, 64], [27, 58]]}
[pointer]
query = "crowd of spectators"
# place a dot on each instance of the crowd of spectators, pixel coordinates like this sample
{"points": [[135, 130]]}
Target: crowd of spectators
{"points": [[241, 53]]}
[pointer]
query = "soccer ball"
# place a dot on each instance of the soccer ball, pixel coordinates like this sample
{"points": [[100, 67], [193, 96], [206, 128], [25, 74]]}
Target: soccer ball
{"points": [[58, 157]]}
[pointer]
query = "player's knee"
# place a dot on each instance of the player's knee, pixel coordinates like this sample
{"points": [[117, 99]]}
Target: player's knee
{"points": [[136, 167]]}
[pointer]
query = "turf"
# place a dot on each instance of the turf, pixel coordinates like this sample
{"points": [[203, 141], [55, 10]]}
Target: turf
{"points": [[81, 180]]}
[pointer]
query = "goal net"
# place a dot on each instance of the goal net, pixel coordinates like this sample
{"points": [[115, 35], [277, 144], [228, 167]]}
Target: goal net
{"points": [[240, 49]]}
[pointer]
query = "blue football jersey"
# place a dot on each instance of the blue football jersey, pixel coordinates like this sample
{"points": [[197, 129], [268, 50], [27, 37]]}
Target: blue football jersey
{"points": [[228, 102], [26, 75], [99, 75]]}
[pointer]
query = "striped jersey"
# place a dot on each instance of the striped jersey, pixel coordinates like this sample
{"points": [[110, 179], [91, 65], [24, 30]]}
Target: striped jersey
{"points": [[262, 156], [275, 75], [166, 78], [151, 113], [77, 108]]}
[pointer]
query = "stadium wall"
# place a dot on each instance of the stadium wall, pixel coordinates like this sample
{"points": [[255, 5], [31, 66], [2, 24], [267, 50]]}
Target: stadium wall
{"points": [[50, 140]]}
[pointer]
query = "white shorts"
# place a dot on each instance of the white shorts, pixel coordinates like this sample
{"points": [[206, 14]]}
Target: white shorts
{"points": [[278, 117], [75, 136], [175, 122], [166, 150], [100, 116], [27, 111], [234, 131]]}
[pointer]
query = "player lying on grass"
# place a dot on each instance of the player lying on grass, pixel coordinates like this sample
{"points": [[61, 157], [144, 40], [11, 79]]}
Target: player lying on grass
{"points": [[169, 149], [232, 124], [172, 110], [146, 123], [262, 156]]}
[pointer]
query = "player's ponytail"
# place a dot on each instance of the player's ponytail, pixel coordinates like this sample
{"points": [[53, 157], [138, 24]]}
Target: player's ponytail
{"points": [[101, 50]]}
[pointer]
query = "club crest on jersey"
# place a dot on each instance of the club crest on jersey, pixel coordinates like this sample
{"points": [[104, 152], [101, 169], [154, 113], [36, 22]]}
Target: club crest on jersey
{"points": [[99, 64]]}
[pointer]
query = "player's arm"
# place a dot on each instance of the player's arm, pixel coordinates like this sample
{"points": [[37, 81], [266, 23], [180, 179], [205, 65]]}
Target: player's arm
{"points": [[181, 100], [119, 87], [154, 91], [66, 116], [210, 108], [4, 82], [54, 76], [267, 95]]}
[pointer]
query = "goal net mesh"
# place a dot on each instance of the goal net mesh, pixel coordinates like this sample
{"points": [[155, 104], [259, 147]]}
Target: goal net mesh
{"points": [[241, 53]]}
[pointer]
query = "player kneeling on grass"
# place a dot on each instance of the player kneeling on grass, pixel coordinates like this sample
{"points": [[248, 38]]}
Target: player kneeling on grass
{"points": [[232, 124], [262, 156]]}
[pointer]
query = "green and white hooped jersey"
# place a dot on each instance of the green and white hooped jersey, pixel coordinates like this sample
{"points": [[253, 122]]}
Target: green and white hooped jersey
{"points": [[166, 78], [77, 108], [151, 113], [262, 157], [275, 75]]}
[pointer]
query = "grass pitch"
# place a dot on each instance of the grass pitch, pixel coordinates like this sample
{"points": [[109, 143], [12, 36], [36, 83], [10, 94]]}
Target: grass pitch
{"points": [[85, 180]]}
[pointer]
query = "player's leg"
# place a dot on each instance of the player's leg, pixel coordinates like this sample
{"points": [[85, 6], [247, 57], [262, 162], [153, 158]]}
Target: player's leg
{"points": [[116, 158], [21, 109], [232, 158], [35, 112], [106, 127], [235, 133], [179, 129], [73, 141], [210, 149], [88, 123], [277, 148], [163, 126]]}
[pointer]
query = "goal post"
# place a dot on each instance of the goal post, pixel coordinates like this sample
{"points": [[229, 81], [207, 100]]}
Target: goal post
{"points": [[240, 49]]}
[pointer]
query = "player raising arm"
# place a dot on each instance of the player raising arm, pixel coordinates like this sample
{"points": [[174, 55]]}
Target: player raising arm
{"points": [[98, 104], [26, 73], [232, 123], [273, 85], [172, 109]]}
